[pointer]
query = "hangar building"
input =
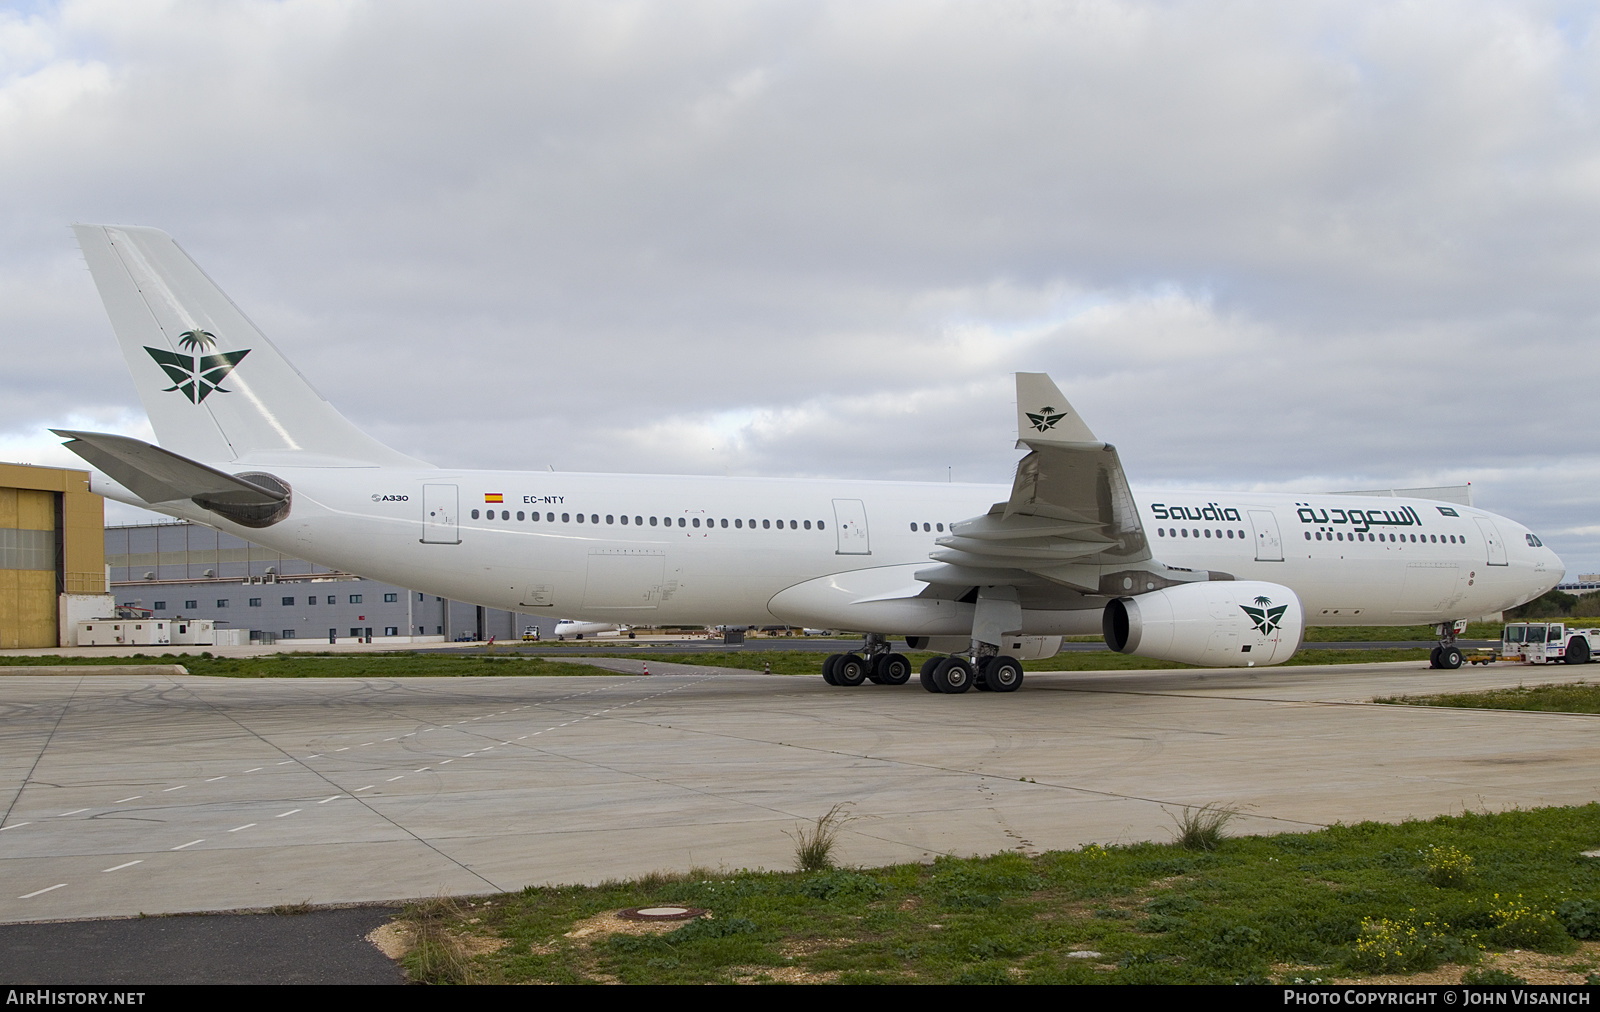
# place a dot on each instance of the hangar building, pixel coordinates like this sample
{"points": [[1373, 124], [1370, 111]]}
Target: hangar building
{"points": [[51, 552]]}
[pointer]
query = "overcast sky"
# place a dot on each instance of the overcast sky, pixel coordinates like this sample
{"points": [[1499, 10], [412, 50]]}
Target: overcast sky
{"points": [[1259, 245]]}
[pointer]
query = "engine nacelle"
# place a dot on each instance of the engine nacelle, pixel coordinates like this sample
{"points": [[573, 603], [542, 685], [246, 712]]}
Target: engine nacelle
{"points": [[1222, 624]]}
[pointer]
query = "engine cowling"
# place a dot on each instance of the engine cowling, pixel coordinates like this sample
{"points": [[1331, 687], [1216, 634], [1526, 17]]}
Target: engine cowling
{"points": [[1222, 624]]}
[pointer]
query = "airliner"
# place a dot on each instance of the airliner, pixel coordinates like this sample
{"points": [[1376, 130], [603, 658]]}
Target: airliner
{"points": [[986, 576]]}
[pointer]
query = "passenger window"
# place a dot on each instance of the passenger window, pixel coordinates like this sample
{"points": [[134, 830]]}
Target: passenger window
{"points": [[474, 514], [594, 518], [808, 525], [681, 522], [652, 521], [697, 521], [505, 514], [738, 522], [794, 525], [724, 521], [550, 517], [821, 526], [1308, 535], [765, 524], [580, 518], [566, 518], [610, 519], [939, 527], [913, 528], [638, 521]]}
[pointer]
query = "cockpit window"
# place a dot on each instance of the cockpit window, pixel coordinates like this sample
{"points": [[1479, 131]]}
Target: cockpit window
{"points": [[1533, 541]]}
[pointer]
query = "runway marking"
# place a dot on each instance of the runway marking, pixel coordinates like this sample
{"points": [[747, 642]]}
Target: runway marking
{"points": [[524, 736], [247, 825], [364, 744], [423, 769], [136, 797], [289, 812], [391, 739], [469, 755], [215, 779], [41, 892], [258, 769], [169, 790], [75, 811], [447, 761], [14, 825], [345, 749], [336, 797], [358, 790], [393, 779], [284, 763], [317, 756], [125, 864], [191, 843]]}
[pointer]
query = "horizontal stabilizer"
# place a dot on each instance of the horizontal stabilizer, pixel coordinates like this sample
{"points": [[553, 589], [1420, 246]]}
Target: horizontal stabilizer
{"points": [[157, 476]]}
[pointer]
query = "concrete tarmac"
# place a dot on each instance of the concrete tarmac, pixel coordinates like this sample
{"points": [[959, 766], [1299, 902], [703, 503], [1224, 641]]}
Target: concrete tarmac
{"points": [[122, 794]]}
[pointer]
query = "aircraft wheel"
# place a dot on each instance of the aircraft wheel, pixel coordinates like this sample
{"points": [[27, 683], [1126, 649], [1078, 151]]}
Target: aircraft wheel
{"points": [[954, 675], [827, 668], [849, 669], [927, 673], [1449, 658], [1004, 674], [892, 669], [1578, 652], [1433, 657]]}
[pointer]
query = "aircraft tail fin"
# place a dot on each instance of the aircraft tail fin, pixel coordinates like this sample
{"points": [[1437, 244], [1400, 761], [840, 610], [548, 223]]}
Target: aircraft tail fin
{"points": [[1045, 417], [214, 387]]}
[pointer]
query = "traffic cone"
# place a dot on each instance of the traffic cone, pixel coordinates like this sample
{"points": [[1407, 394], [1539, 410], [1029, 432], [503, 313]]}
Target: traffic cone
{"points": [[647, 667]]}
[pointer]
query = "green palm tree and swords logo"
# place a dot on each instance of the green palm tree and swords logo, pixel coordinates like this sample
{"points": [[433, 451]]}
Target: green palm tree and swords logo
{"points": [[196, 374], [1267, 619], [1046, 419]]}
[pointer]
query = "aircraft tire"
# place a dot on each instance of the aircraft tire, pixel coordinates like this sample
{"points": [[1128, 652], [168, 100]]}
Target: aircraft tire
{"points": [[1433, 657], [1003, 674], [954, 675], [927, 673], [1449, 658], [892, 669], [1578, 652], [850, 670], [827, 668]]}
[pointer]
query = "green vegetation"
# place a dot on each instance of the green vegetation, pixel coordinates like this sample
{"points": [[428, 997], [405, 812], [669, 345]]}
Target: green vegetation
{"points": [[1578, 697], [1343, 901], [1556, 604], [328, 665]]}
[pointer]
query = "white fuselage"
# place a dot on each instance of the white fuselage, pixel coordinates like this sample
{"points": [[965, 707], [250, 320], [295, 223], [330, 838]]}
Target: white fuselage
{"points": [[847, 551]]}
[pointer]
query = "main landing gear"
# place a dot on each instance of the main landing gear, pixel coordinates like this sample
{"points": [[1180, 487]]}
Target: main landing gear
{"points": [[1446, 655], [956, 674], [877, 662]]}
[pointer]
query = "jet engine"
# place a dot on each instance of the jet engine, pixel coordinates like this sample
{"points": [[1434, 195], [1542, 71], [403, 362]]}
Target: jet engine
{"points": [[1219, 624]]}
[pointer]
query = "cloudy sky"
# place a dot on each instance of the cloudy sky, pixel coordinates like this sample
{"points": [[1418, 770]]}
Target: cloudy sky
{"points": [[1305, 246]]}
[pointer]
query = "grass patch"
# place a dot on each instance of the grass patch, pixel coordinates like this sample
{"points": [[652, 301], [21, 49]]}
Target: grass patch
{"points": [[1578, 697], [1342, 902], [1395, 633], [329, 665]]}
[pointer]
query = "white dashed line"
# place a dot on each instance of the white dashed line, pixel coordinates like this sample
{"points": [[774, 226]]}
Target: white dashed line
{"points": [[391, 739], [336, 797], [258, 769], [447, 761], [191, 843], [41, 892], [289, 812], [469, 755], [125, 864], [247, 825], [215, 779], [14, 825], [423, 769], [358, 790], [345, 749], [169, 790], [393, 779], [285, 762], [365, 744], [136, 797], [75, 811], [317, 756]]}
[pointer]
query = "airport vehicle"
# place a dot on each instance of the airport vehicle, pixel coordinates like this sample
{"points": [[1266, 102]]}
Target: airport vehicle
{"points": [[530, 634], [578, 630], [1546, 642], [983, 574]]}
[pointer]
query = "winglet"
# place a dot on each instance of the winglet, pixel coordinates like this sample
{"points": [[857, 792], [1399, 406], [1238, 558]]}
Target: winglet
{"points": [[1044, 416]]}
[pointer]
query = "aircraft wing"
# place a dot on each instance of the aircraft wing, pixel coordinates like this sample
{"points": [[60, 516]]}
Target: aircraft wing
{"points": [[157, 476], [1071, 521]]}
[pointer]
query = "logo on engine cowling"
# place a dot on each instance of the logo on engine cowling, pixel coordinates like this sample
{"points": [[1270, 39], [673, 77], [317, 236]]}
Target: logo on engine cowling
{"points": [[1267, 619]]}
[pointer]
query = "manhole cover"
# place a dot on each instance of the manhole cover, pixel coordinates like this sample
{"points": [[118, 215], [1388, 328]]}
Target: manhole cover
{"points": [[663, 913]]}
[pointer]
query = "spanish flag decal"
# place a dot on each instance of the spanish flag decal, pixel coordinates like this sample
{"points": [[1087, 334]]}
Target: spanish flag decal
{"points": [[493, 497]]}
